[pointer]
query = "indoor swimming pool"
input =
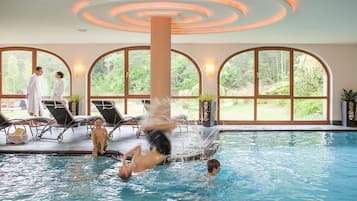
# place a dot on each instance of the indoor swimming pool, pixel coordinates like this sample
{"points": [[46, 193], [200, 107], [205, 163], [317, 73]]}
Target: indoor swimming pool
{"points": [[254, 166]]}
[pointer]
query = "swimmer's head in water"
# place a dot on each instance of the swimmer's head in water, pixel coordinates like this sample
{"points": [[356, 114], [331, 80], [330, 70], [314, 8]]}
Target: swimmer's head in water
{"points": [[125, 172], [213, 166]]}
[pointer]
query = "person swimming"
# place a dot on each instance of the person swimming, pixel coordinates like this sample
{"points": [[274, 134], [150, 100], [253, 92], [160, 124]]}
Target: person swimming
{"points": [[100, 138], [213, 167], [160, 149]]}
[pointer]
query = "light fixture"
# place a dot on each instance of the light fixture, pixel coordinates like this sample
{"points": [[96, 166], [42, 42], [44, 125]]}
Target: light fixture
{"points": [[209, 70], [189, 17], [78, 70]]}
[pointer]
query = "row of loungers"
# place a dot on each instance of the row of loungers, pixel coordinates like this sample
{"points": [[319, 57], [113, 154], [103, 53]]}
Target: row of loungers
{"points": [[65, 120]]}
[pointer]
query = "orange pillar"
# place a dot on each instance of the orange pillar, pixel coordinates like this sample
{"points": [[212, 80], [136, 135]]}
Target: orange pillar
{"points": [[160, 66]]}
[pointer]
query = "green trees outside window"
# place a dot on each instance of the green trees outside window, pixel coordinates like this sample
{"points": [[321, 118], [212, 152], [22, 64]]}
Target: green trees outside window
{"points": [[16, 71], [111, 73], [273, 84], [17, 66], [273, 72], [139, 72], [309, 76], [260, 84], [185, 87], [107, 77], [51, 65], [237, 76], [184, 76]]}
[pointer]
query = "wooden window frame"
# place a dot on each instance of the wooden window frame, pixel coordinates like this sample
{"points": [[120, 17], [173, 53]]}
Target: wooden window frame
{"points": [[126, 96], [290, 97], [34, 52]]}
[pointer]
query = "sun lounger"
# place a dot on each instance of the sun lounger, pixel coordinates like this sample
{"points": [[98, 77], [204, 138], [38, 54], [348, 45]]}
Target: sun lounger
{"points": [[6, 123], [181, 122], [32, 122], [113, 117], [64, 119]]}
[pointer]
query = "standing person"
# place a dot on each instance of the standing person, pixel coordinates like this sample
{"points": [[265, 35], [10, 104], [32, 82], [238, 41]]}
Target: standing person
{"points": [[34, 93], [58, 88]]}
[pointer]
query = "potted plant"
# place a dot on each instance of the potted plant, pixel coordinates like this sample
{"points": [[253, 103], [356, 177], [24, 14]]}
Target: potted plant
{"points": [[348, 107], [73, 104], [208, 107]]}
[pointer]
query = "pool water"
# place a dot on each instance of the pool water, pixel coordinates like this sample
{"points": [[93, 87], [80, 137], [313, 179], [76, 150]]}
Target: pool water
{"points": [[254, 166]]}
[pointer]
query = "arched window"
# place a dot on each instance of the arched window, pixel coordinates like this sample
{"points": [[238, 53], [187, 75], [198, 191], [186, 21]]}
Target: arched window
{"points": [[185, 86], [273, 84], [123, 76], [51, 64], [16, 67]]}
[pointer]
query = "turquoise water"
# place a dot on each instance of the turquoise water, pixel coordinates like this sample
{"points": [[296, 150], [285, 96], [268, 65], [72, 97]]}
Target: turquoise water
{"points": [[254, 166]]}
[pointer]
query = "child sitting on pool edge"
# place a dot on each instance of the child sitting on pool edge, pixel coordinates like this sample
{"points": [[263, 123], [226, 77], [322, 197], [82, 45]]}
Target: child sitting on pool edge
{"points": [[99, 137], [213, 167]]}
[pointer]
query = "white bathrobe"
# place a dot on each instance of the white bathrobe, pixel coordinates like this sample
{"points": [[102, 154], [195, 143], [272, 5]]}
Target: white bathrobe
{"points": [[34, 98], [58, 90]]}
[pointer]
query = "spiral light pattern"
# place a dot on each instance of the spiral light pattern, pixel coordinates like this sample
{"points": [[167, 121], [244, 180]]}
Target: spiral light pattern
{"points": [[188, 16]]}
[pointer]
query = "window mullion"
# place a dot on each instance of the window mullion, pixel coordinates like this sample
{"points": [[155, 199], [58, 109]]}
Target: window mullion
{"points": [[291, 84], [126, 80], [256, 83]]}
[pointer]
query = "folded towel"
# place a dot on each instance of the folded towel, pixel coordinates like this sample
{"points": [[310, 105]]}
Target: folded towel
{"points": [[19, 131]]}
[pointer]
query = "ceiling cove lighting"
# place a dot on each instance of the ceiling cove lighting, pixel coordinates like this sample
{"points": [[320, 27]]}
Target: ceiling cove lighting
{"points": [[188, 17]]}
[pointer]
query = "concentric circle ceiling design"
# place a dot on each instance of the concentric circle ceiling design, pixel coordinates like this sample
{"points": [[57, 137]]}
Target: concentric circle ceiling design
{"points": [[188, 16]]}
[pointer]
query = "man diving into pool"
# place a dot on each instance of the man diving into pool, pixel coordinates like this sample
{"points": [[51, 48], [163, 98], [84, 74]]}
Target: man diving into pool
{"points": [[160, 148]]}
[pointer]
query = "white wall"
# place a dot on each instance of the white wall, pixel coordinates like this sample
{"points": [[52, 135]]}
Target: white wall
{"points": [[341, 59]]}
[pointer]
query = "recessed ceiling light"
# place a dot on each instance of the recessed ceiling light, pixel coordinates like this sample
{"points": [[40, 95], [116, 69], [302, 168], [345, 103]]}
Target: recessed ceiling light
{"points": [[82, 30]]}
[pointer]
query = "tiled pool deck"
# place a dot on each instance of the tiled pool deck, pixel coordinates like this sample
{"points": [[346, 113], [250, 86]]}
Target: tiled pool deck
{"points": [[189, 143]]}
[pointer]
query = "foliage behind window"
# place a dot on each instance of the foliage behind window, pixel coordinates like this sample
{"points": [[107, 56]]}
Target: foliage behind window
{"points": [[184, 77], [107, 77], [139, 72], [271, 87], [237, 75], [51, 65], [16, 71]]}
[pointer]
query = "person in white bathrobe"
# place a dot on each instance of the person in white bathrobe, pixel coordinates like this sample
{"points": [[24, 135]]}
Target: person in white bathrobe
{"points": [[58, 88], [34, 93]]}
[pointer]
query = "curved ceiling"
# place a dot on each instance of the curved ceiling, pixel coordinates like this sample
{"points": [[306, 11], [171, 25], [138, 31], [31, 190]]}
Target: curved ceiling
{"points": [[187, 17], [193, 21]]}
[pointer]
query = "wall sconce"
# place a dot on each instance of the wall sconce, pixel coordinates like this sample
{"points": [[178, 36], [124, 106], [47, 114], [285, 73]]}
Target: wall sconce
{"points": [[209, 70], [78, 70]]}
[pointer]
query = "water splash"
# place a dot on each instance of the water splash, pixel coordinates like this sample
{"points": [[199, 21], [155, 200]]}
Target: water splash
{"points": [[159, 116]]}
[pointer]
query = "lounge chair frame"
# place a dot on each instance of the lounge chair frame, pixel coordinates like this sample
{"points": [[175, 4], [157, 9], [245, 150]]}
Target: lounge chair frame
{"points": [[33, 122], [113, 117], [5, 124], [64, 119]]}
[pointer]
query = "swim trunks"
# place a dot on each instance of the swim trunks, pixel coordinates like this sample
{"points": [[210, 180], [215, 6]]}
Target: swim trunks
{"points": [[99, 146], [158, 139]]}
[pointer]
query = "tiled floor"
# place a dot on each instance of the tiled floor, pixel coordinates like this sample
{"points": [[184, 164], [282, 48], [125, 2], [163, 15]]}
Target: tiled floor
{"points": [[188, 143]]}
